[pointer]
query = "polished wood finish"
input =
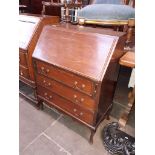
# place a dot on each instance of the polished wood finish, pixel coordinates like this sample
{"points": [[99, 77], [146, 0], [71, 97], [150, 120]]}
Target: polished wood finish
{"points": [[67, 92], [65, 105], [121, 35], [23, 58], [30, 28], [128, 59], [71, 79], [74, 71]]}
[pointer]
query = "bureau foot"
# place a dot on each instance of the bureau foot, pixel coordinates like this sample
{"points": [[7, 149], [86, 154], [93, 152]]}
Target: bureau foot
{"points": [[108, 114], [108, 117], [91, 136], [40, 105]]}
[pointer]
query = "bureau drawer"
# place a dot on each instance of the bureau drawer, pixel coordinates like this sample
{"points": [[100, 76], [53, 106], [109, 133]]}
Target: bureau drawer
{"points": [[67, 92], [65, 105], [67, 78], [23, 72], [23, 59]]}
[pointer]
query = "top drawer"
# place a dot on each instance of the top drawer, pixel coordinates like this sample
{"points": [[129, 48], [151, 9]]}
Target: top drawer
{"points": [[23, 58], [72, 80]]}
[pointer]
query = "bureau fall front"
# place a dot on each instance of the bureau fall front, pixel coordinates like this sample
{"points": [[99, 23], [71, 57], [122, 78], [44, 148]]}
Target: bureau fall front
{"points": [[30, 28]]}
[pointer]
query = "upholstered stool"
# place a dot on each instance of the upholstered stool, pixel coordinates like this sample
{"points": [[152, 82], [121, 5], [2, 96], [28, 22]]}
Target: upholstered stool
{"points": [[113, 13]]}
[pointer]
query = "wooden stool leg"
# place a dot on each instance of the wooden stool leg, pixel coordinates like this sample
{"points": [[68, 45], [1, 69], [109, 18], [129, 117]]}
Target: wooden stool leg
{"points": [[40, 104], [91, 136], [108, 114], [43, 10], [131, 98], [130, 29]]}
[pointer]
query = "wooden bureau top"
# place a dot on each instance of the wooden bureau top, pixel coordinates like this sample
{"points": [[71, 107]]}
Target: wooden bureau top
{"points": [[84, 53], [99, 30], [128, 59], [27, 28]]}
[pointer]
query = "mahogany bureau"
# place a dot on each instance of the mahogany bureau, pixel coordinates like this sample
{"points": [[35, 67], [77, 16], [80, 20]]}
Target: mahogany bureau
{"points": [[30, 27], [74, 74]]}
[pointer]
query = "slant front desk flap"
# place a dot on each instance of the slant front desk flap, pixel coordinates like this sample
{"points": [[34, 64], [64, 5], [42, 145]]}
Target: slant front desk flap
{"points": [[30, 27], [73, 72], [27, 27], [87, 54]]}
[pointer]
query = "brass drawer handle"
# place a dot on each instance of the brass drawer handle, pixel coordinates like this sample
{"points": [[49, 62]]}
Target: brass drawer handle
{"points": [[47, 70], [21, 73], [74, 110], [45, 94], [75, 83], [81, 113], [45, 83], [82, 99], [44, 71], [48, 97], [83, 85], [75, 96], [76, 100], [42, 68], [49, 84]]}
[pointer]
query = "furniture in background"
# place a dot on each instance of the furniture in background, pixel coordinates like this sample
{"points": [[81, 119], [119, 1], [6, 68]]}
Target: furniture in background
{"points": [[30, 28], [128, 60], [23, 8], [115, 13], [68, 9], [35, 7], [76, 71]]}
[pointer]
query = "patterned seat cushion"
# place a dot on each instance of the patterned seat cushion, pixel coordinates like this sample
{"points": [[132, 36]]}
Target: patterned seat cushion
{"points": [[107, 12], [108, 2]]}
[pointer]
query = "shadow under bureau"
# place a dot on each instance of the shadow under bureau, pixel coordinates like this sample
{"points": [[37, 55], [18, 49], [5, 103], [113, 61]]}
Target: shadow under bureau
{"points": [[73, 71], [30, 27]]}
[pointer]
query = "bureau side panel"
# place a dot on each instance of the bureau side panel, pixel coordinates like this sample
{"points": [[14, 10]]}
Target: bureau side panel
{"points": [[44, 21]]}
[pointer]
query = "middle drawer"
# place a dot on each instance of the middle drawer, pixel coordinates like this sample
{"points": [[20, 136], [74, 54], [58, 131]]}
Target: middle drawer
{"points": [[65, 105], [67, 92]]}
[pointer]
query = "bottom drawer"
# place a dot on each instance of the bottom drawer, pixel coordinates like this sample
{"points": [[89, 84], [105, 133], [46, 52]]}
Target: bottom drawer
{"points": [[24, 72], [65, 105]]}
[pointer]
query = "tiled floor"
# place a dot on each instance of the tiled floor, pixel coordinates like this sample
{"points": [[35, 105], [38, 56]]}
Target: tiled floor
{"points": [[48, 132]]}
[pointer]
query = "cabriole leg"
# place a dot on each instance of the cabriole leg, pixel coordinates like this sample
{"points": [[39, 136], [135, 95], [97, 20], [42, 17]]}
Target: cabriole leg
{"points": [[91, 136]]}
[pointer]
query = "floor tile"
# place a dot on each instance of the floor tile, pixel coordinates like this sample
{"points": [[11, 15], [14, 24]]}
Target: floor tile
{"points": [[74, 137], [44, 146], [32, 122]]}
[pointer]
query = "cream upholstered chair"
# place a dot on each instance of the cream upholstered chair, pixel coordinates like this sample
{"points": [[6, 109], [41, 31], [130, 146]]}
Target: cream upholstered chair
{"points": [[110, 13]]}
